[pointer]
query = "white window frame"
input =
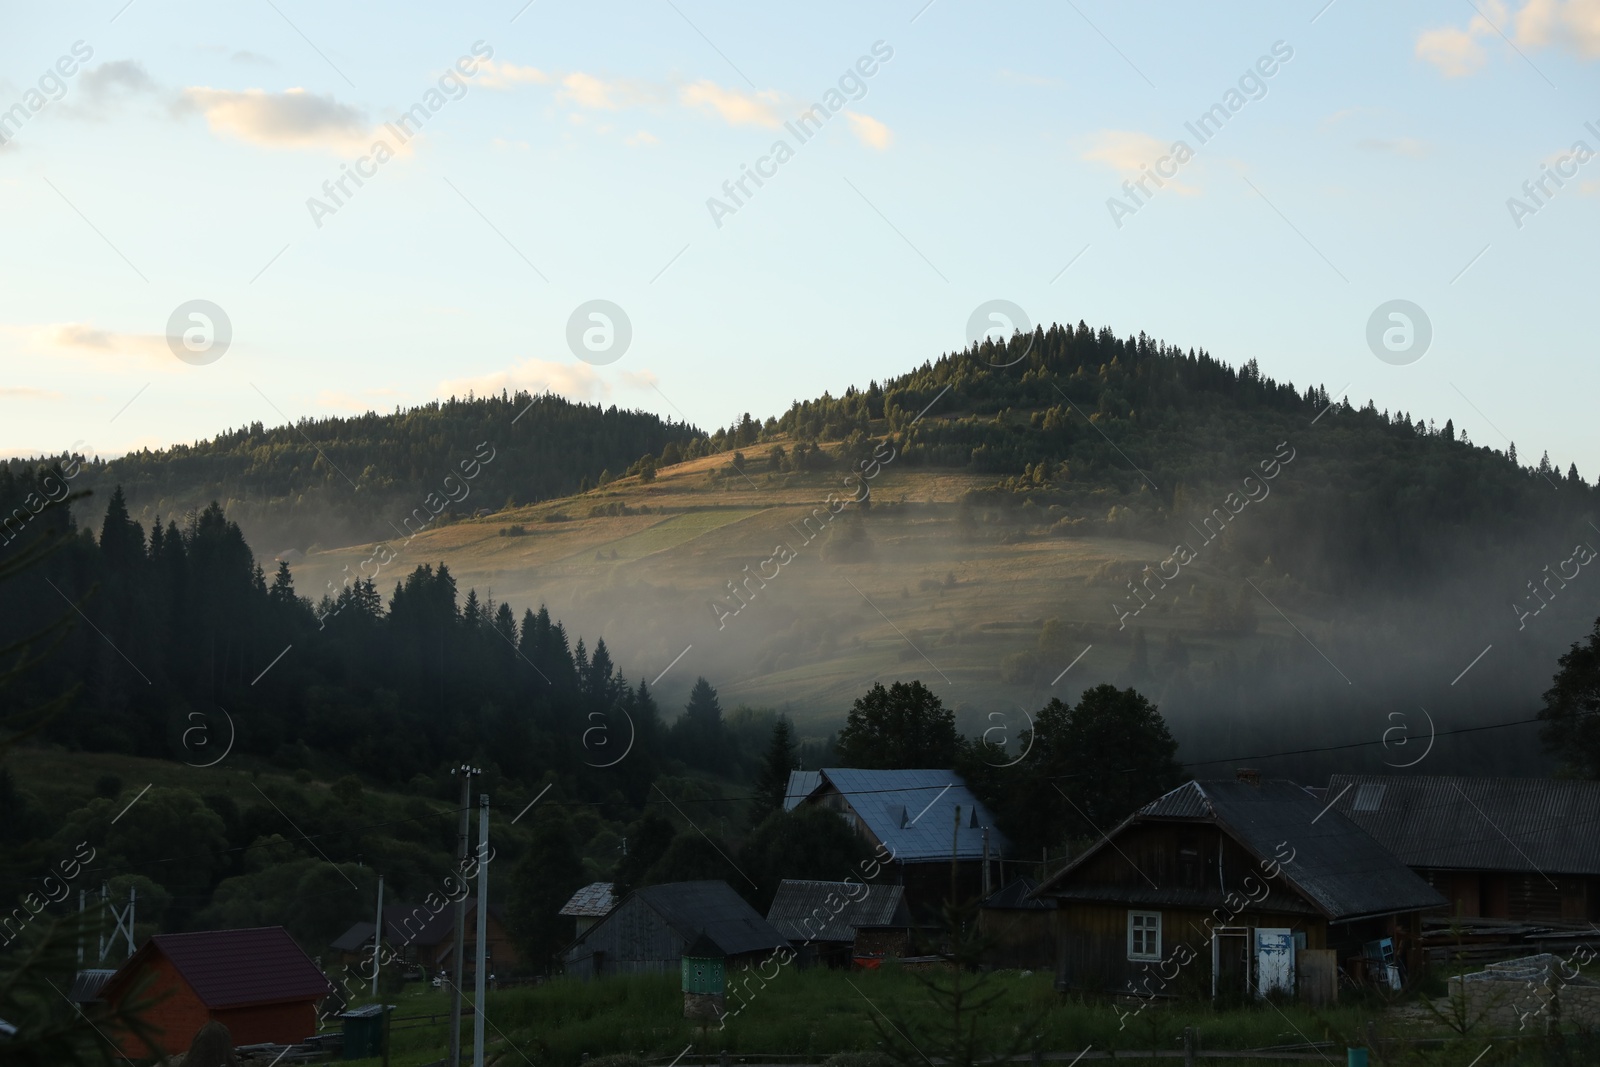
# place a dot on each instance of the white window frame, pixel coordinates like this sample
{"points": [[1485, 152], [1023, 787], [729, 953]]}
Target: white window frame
{"points": [[1150, 930]]}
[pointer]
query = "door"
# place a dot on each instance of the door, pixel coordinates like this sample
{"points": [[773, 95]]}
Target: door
{"points": [[1274, 952]]}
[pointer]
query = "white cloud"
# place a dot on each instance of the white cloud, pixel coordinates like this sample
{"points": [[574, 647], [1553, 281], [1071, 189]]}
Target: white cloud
{"points": [[106, 349], [1129, 152], [23, 392], [642, 137], [1570, 25], [733, 106], [586, 90], [869, 131], [573, 380], [492, 75], [290, 119]]}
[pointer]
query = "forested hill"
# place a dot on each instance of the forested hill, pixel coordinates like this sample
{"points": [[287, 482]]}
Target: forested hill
{"points": [[1140, 438], [341, 479]]}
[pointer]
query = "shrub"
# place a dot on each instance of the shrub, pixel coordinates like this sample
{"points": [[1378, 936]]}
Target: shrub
{"points": [[856, 1059]]}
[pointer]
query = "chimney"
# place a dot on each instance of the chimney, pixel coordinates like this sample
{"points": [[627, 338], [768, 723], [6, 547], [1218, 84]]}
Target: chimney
{"points": [[1248, 775]]}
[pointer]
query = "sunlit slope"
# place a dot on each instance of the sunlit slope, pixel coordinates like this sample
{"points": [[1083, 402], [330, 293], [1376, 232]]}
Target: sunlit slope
{"points": [[825, 605]]}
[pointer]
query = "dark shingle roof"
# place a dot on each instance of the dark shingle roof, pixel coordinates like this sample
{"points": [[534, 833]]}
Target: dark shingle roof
{"points": [[833, 915], [913, 811], [592, 901], [712, 909], [1498, 824], [227, 968], [1335, 864]]}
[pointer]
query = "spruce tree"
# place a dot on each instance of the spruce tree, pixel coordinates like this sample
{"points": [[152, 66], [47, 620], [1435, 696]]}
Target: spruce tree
{"points": [[773, 781]]}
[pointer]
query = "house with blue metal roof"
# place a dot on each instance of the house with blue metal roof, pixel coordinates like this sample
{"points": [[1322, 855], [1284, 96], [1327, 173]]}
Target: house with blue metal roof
{"points": [[919, 822]]}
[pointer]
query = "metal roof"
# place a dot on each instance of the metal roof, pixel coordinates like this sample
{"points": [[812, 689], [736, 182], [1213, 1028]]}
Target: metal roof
{"points": [[713, 909], [228, 968], [833, 915], [801, 785], [593, 901], [1335, 865], [86, 984], [1547, 825], [912, 812]]}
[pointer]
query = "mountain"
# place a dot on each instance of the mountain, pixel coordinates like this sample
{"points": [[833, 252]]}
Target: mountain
{"points": [[1279, 568], [338, 479]]}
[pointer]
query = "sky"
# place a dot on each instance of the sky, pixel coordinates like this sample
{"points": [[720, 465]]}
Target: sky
{"points": [[179, 258]]}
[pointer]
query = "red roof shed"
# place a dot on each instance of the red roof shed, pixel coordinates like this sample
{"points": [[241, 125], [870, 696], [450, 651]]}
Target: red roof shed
{"points": [[257, 983]]}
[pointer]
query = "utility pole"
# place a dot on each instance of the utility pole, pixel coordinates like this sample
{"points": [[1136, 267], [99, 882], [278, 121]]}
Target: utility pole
{"points": [[466, 771], [377, 937], [483, 930]]}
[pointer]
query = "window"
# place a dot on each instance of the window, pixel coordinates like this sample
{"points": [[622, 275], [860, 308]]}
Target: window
{"points": [[1144, 935]]}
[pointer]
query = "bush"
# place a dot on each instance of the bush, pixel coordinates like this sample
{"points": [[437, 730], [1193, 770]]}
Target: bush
{"points": [[616, 1059], [556, 516]]}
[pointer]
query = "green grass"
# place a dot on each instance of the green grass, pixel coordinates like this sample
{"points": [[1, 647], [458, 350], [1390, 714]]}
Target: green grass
{"points": [[817, 1012]]}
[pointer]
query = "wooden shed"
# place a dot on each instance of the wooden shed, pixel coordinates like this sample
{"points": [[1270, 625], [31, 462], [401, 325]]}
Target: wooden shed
{"points": [[1018, 928], [1496, 848], [648, 932], [256, 982], [1221, 888]]}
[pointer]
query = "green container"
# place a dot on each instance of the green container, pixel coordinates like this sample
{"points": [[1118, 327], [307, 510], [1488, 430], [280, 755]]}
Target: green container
{"points": [[363, 1032], [704, 967], [1355, 1057]]}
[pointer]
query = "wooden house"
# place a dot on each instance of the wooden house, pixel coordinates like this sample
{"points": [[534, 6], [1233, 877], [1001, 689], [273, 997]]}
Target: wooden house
{"points": [[424, 938], [910, 817], [1232, 889], [822, 920], [256, 982], [1521, 849], [648, 932], [1018, 928]]}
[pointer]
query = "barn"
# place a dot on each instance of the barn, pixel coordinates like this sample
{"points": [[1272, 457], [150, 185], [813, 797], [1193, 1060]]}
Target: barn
{"points": [[256, 982], [648, 932]]}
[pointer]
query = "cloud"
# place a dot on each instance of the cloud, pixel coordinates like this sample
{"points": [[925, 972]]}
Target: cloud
{"points": [[586, 90], [733, 106], [290, 119], [251, 59], [119, 77], [107, 349], [1570, 25], [22, 392], [492, 75], [869, 131], [359, 403], [1129, 152], [1410, 147], [642, 137]]}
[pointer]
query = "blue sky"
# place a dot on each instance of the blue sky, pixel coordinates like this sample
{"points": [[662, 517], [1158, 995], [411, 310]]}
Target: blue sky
{"points": [[576, 161]]}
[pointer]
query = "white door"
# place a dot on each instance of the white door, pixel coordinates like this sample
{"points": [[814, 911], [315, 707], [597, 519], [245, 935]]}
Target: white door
{"points": [[1274, 960]]}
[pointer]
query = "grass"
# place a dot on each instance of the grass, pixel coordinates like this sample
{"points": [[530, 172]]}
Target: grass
{"points": [[817, 1012]]}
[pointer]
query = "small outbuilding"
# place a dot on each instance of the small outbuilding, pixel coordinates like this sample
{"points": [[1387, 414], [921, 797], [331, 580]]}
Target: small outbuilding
{"points": [[589, 905], [256, 982], [823, 920], [650, 930]]}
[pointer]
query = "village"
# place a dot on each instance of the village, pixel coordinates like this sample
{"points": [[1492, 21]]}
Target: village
{"points": [[1385, 896]]}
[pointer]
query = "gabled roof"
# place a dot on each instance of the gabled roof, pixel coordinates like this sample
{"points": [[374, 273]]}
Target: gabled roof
{"points": [[592, 901], [1547, 825], [801, 785], [1335, 865], [228, 968], [710, 908], [912, 812], [1016, 895], [832, 914]]}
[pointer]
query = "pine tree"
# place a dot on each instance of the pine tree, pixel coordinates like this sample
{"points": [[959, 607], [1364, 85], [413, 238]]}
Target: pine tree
{"points": [[773, 780]]}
